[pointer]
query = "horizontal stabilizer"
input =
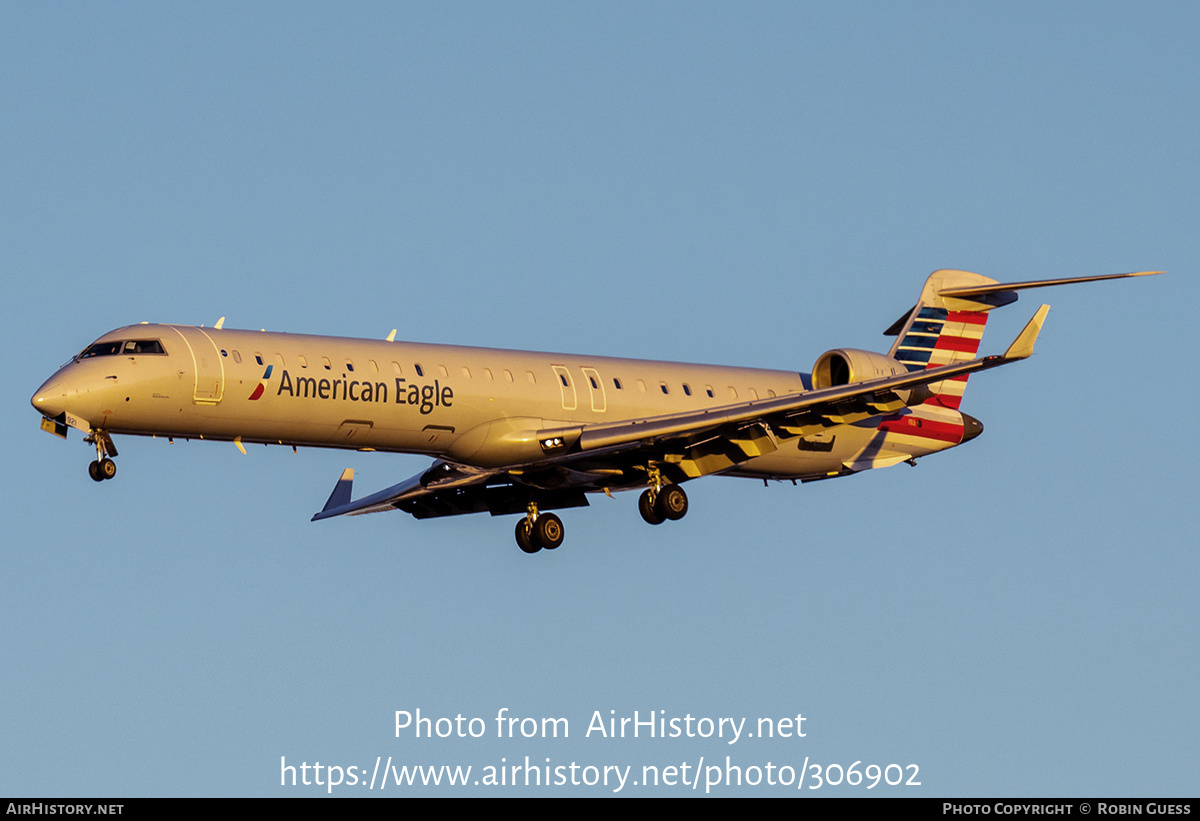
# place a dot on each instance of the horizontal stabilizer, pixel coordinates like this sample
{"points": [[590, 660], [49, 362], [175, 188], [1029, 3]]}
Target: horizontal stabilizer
{"points": [[1000, 287]]}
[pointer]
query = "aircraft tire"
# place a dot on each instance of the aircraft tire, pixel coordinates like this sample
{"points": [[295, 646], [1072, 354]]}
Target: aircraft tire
{"points": [[525, 537], [107, 468], [672, 503], [648, 508], [94, 471], [548, 531]]}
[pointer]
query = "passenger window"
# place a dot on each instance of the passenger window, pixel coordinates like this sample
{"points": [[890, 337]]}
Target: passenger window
{"points": [[708, 389], [237, 357], [617, 383], [279, 359], [663, 385], [466, 372], [732, 392], [687, 389], [532, 379], [396, 369], [326, 363], [374, 366], [419, 371], [349, 366], [303, 362], [508, 377], [442, 370], [258, 357], [487, 374], [595, 385]]}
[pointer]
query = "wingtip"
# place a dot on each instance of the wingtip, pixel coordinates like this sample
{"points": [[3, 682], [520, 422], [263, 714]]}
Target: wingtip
{"points": [[340, 497], [1022, 346]]}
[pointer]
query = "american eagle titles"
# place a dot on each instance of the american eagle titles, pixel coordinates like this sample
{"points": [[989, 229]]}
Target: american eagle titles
{"points": [[425, 397]]}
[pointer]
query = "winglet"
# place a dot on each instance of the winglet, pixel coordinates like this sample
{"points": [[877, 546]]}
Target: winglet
{"points": [[340, 496], [1022, 346]]}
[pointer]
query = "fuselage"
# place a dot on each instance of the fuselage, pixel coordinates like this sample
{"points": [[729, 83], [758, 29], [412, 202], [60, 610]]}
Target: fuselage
{"points": [[475, 406]]}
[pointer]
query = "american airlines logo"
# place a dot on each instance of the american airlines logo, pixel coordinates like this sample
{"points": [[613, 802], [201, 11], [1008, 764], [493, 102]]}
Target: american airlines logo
{"points": [[261, 387], [424, 397]]}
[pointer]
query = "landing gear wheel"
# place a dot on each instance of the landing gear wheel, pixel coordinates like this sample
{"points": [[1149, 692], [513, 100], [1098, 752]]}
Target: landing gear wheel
{"points": [[525, 537], [649, 509], [104, 467], [548, 531], [672, 502]]}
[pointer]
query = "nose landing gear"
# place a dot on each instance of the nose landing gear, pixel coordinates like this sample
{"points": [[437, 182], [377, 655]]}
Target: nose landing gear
{"points": [[103, 467]]}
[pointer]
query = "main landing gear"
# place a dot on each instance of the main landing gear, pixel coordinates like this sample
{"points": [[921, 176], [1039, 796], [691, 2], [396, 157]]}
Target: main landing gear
{"points": [[662, 501], [539, 530], [103, 467], [657, 504], [667, 502]]}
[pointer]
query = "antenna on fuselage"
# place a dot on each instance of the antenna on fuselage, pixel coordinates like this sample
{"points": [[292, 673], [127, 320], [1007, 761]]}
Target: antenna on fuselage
{"points": [[220, 322], [392, 336]]}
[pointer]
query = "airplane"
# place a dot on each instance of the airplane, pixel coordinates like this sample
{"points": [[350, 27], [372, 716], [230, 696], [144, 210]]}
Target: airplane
{"points": [[518, 432]]}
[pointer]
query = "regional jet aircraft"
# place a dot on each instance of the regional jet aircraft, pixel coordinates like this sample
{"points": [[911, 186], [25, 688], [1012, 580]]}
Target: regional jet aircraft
{"points": [[526, 433]]}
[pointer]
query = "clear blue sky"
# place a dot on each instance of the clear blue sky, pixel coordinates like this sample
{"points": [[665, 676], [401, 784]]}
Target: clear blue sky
{"points": [[748, 183]]}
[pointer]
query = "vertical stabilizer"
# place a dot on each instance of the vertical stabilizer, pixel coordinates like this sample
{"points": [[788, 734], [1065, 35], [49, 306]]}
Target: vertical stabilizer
{"points": [[942, 330]]}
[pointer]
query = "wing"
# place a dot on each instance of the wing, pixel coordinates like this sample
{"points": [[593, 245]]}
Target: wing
{"points": [[608, 456], [445, 489]]}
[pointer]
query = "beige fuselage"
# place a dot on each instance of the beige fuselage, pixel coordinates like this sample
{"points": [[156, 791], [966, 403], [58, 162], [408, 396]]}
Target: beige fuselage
{"points": [[474, 406]]}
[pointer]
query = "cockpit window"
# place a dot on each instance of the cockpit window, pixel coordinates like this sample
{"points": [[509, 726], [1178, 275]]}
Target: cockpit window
{"points": [[136, 346], [102, 349], [128, 347]]}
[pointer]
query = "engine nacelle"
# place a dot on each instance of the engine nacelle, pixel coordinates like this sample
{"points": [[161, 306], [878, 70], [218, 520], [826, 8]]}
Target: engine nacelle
{"points": [[843, 366]]}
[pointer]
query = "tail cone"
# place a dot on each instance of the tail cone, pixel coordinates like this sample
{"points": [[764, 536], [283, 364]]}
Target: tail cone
{"points": [[972, 427]]}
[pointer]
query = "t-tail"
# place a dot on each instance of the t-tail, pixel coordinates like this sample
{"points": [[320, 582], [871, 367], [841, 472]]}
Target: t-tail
{"points": [[947, 323], [941, 330]]}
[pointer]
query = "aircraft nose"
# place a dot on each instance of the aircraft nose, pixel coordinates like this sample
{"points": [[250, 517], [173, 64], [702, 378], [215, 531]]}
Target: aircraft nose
{"points": [[49, 398], [972, 427]]}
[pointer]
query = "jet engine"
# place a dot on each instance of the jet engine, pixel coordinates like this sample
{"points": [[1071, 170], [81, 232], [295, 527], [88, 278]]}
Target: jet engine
{"points": [[843, 366]]}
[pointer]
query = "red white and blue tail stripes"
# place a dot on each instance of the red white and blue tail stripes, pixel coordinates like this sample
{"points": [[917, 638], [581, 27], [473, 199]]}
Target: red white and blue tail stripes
{"points": [[937, 336]]}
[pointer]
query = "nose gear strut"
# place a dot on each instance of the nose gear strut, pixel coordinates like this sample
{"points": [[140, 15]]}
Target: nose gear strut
{"points": [[103, 467]]}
